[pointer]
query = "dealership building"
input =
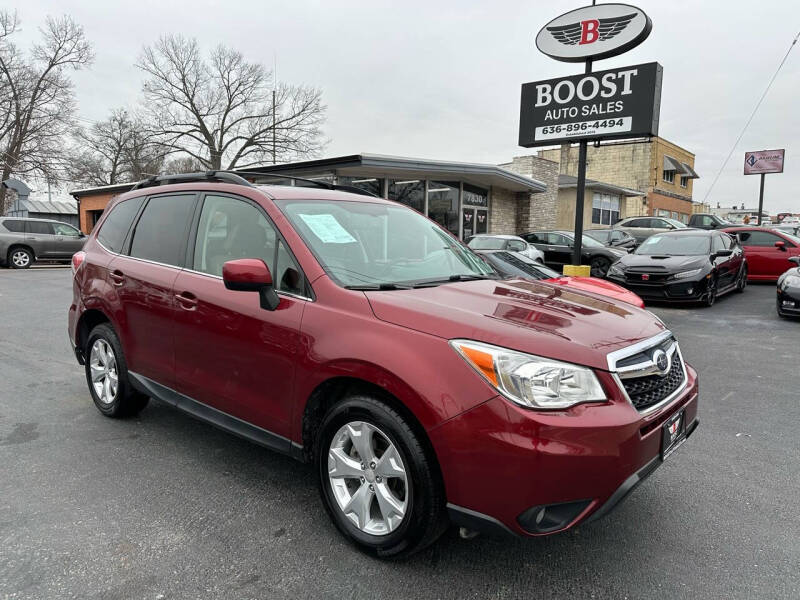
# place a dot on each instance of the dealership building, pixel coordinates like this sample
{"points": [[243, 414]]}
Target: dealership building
{"points": [[465, 198]]}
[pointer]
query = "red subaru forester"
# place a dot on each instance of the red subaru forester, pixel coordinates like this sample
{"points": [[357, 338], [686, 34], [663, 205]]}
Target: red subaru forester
{"points": [[353, 333]]}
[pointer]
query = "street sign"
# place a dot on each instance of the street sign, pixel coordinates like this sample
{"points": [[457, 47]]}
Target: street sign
{"points": [[594, 32], [613, 104], [763, 161]]}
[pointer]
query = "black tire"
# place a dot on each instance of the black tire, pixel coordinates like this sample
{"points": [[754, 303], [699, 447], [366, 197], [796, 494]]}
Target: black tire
{"points": [[19, 258], [126, 401], [741, 281], [425, 518], [599, 266], [711, 291]]}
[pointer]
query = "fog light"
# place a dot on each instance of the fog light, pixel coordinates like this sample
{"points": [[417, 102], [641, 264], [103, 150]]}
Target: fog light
{"points": [[690, 291]]}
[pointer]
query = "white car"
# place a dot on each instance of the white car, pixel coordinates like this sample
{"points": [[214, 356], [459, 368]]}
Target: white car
{"points": [[513, 243]]}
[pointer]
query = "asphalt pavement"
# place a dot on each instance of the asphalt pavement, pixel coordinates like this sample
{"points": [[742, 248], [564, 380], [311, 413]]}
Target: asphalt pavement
{"points": [[163, 506]]}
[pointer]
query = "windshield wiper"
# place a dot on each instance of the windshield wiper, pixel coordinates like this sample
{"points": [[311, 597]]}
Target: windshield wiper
{"points": [[377, 287], [435, 282]]}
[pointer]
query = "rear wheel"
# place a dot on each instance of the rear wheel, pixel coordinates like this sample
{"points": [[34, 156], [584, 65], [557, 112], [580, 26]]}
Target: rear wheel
{"points": [[599, 266], [711, 291], [20, 258], [107, 375], [377, 482], [741, 281]]}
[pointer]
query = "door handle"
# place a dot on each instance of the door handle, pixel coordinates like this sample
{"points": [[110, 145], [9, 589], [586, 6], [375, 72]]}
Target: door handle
{"points": [[187, 300], [117, 278]]}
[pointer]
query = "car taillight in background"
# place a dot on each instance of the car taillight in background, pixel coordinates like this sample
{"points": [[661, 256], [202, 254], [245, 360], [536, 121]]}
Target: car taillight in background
{"points": [[77, 260]]}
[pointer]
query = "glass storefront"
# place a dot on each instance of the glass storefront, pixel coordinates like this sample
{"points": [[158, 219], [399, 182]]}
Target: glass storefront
{"points": [[410, 192], [443, 204]]}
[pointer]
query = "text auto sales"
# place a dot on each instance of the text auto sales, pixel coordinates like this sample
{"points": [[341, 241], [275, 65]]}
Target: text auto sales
{"points": [[586, 89]]}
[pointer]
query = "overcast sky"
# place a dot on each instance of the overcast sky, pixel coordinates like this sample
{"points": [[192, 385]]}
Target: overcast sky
{"points": [[441, 80]]}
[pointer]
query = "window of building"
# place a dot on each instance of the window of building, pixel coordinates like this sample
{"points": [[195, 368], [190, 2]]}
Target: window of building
{"points": [[410, 192], [160, 234], [373, 185], [475, 196], [684, 181], [443, 204], [662, 213], [605, 209], [669, 176], [118, 222]]}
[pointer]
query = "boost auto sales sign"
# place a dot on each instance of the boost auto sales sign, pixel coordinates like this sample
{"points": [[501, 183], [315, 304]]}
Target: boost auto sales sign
{"points": [[618, 103]]}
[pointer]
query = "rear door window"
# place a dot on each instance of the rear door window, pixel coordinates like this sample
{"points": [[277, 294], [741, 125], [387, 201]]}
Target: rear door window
{"points": [[160, 233], [638, 223], [116, 225], [39, 227]]}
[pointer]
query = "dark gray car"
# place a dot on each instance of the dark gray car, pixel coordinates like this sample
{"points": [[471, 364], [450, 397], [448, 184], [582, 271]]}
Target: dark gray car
{"points": [[24, 241]]}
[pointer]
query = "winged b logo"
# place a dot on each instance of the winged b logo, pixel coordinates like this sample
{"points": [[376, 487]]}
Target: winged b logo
{"points": [[591, 30]]}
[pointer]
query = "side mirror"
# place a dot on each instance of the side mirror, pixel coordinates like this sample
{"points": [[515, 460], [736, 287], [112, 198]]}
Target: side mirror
{"points": [[723, 253], [795, 260], [781, 246], [251, 275]]}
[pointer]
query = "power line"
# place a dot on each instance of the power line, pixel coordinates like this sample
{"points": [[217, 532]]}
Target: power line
{"points": [[753, 114]]}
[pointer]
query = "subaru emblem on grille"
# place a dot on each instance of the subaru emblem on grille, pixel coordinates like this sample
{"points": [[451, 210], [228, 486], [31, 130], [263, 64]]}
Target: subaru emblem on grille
{"points": [[661, 360]]}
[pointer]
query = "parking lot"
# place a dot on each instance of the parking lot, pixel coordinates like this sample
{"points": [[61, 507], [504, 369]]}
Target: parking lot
{"points": [[163, 506]]}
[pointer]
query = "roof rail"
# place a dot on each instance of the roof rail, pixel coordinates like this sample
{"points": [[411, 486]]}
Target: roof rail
{"points": [[239, 178], [221, 176], [322, 184]]}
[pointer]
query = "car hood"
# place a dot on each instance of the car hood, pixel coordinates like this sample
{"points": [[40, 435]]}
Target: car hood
{"points": [[670, 264], [528, 316], [599, 286]]}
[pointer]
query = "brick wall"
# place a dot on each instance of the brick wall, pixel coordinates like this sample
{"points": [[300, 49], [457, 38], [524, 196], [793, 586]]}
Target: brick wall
{"points": [[503, 214], [536, 211], [91, 203]]}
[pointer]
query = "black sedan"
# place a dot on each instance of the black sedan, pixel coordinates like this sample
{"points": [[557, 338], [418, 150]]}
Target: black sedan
{"points": [[616, 238], [557, 248], [683, 266], [789, 291]]}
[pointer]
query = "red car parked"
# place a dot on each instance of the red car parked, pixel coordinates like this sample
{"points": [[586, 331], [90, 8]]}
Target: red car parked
{"points": [[767, 251], [355, 334]]}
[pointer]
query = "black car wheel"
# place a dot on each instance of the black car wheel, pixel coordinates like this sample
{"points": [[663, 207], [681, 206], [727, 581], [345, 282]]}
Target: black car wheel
{"points": [[378, 483], [711, 291], [741, 282], [599, 266]]}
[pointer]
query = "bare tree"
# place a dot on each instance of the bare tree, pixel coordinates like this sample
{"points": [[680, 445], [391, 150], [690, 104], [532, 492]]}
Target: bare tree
{"points": [[219, 111], [182, 164], [40, 97], [116, 150]]}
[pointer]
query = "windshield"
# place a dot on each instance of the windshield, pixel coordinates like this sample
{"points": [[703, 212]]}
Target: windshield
{"points": [[487, 243], [675, 245], [374, 245], [587, 241], [511, 264]]}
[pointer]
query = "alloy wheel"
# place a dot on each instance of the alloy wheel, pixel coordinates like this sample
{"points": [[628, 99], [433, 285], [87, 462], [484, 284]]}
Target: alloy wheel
{"points": [[712, 291], [368, 478], [20, 258], [599, 267], [103, 367]]}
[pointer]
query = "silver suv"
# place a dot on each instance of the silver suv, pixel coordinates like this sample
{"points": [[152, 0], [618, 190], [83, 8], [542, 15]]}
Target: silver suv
{"points": [[642, 228], [23, 241]]}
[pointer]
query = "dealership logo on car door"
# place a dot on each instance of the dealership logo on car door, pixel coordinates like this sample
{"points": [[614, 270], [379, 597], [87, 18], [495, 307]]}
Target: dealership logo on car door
{"points": [[594, 32]]}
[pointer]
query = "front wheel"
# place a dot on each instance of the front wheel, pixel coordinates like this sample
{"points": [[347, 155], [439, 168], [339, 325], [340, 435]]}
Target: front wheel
{"points": [[598, 266], [377, 482]]}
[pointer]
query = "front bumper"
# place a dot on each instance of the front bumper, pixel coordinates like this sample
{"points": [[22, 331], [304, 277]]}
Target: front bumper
{"points": [[502, 463], [681, 290], [789, 302]]}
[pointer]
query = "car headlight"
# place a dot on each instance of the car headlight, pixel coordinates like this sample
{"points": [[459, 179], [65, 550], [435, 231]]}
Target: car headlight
{"points": [[791, 281], [615, 270], [531, 381], [685, 274]]}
